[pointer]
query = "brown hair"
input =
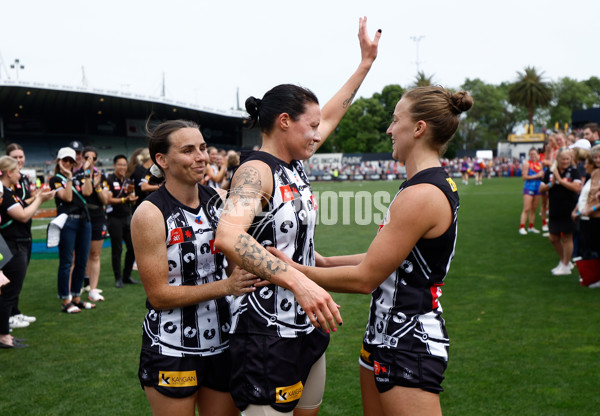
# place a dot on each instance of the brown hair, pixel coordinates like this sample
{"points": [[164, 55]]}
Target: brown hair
{"points": [[439, 109], [158, 137], [13, 146]]}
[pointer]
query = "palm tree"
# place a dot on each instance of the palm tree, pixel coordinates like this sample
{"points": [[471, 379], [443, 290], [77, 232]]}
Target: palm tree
{"points": [[530, 91], [422, 80]]}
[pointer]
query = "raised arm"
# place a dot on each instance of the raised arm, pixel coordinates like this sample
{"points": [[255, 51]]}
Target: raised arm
{"points": [[336, 107], [251, 185]]}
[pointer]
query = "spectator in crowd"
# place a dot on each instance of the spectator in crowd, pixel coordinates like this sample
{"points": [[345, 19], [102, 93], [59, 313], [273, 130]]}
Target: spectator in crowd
{"points": [[96, 202], [216, 170], [78, 147], [592, 206], [563, 185], [121, 196], [591, 132], [233, 161], [26, 192], [532, 175], [76, 233], [138, 173], [189, 314], [478, 168], [15, 227], [582, 239]]}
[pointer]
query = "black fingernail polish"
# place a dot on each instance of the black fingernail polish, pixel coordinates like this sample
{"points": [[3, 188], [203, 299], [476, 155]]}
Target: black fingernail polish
{"points": [[379, 30]]}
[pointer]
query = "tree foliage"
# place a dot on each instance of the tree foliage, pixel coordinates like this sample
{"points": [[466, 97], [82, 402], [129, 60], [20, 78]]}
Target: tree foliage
{"points": [[497, 111], [530, 91]]}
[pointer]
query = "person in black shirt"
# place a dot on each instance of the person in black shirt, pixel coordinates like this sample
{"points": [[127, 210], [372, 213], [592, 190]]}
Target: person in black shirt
{"points": [[95, 204], [27, 193], [563, 185], [15, 227], [76, 233], [121, 196]]}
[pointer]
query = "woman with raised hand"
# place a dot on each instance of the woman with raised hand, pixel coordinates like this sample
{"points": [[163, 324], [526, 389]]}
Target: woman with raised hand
{"points": [[76, 233], [405, 347], [271, 203], [184, 362], [15, 227]]}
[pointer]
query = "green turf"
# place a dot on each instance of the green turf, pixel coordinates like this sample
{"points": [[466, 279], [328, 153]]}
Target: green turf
{"points": [[523, 342]]}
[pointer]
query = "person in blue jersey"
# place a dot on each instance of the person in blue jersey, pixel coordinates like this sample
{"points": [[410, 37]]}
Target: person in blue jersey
{"points": [[277, 351], [405, 347], [184, 361], [533, 173]]}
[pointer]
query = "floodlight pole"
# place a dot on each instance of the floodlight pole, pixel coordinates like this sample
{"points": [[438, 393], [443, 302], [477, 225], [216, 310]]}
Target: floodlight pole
{"points": [[16, 66], [417, 39]]}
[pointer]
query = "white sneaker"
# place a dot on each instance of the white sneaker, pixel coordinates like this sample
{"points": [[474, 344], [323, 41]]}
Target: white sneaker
{"points": [[533, 230], [558, 267], [25, 318], [595, 285], [545, 228], [571, 266], [546, 235], [562, 270], [17, 323], [522, 231], [95, 296]]}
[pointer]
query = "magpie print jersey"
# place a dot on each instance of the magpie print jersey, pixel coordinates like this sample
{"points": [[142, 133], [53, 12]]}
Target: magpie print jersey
{"points": [[288, 223], [202, 329], [405, 311]]}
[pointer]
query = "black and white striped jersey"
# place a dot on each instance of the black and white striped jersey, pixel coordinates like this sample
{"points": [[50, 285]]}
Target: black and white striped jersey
{"points": [[287, 223], [405, 311], [202, 329]]}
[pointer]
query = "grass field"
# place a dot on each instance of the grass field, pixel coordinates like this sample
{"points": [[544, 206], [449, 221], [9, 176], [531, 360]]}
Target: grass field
{"points": [[523, 342]]}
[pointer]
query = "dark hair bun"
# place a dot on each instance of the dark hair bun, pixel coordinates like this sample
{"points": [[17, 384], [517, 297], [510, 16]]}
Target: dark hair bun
{"points": [[461, 101], [252, 105]]}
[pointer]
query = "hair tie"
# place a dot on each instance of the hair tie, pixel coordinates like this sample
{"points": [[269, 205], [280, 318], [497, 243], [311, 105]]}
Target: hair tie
{"points": [[156, 171]]}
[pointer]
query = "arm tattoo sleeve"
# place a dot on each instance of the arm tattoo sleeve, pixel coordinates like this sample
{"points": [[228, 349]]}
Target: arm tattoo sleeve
{"points": [[256, 259], [246, 188]]}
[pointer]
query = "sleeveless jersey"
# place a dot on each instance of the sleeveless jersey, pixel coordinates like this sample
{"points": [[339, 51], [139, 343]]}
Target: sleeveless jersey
{"points": [[532, 169], [287, 223], [405, 312], [202, 329]]}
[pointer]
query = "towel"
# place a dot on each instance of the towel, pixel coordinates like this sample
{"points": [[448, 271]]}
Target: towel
{"points": [[53, 231]]}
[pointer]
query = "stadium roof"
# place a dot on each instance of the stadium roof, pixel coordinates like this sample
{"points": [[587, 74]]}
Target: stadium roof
{"points": [[19, 98]]}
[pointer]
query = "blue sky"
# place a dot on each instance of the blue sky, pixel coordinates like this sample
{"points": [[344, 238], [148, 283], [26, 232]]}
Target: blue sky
{"points": [[210, 49]]}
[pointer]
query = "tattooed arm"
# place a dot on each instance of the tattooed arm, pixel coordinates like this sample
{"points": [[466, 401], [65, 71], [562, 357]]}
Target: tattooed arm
{"points": [[251, 187], [336, 107]]}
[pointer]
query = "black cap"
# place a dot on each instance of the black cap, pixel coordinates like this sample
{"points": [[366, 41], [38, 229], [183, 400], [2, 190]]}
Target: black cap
{"points": [[77, 146]]}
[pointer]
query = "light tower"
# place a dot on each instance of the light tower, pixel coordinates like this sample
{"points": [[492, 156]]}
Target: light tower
{"points": [[417, 39], [16, 66]]}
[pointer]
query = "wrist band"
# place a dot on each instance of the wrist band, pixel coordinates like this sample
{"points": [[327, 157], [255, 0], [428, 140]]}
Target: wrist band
{"points": [[122, 200], [593, 207]]}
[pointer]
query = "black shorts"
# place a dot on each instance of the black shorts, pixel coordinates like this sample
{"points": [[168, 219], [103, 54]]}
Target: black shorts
{"points": [[271, 370], [98, 228], [402, 368], [180, 377], [560, 225]]}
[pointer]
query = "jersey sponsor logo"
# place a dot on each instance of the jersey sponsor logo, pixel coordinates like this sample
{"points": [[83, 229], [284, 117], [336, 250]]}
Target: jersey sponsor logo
{"points": [[452, 184], [181, 235], [380, 368], [177, 378], [58, 185], [436, 292], [198, 219], [289, 393], [116, 186], [289, 192]]}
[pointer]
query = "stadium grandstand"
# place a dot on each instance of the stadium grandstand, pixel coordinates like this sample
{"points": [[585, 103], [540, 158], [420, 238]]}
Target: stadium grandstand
{"points": [[43, 118]]}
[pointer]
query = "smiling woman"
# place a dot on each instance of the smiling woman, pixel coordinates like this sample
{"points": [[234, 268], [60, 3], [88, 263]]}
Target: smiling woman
{"points": [[185, 331]]}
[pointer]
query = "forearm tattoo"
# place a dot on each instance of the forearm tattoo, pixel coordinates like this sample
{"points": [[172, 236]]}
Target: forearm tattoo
{"points": [[256, 259], [246, 189], [348, 100]]}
